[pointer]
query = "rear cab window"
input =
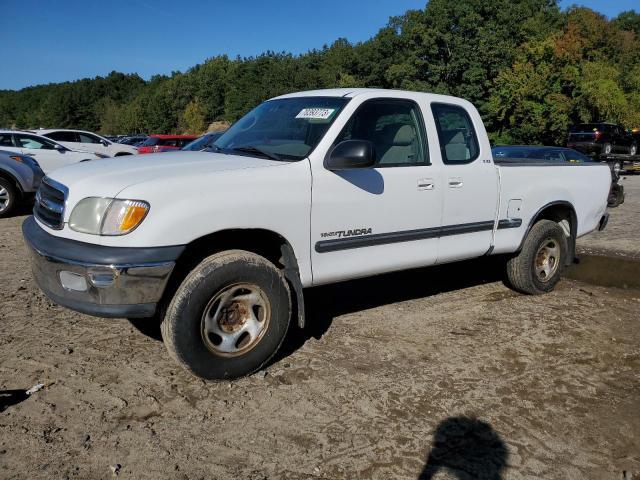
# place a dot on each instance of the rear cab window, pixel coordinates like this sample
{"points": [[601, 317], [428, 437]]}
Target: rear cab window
{"points": [[456, 133]]}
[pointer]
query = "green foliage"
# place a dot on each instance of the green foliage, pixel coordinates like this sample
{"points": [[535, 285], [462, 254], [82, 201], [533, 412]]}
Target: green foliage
{"points": [[531, 68], [192, 120]]}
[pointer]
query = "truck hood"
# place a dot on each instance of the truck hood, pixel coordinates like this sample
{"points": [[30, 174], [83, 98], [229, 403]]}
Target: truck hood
{"points": [[108, 177]]}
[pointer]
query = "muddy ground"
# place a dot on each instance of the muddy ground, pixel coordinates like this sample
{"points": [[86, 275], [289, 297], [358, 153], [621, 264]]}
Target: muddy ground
{"points": [[441, 372]]}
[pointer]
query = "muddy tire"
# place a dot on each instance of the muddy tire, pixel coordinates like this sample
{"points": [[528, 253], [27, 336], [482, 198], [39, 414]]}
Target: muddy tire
{"points": [[228, 317], [8, 197], [538, 266]]}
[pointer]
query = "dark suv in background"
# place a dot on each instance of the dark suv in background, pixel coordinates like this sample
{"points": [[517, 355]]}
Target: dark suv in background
{"points": [[601, 139]]}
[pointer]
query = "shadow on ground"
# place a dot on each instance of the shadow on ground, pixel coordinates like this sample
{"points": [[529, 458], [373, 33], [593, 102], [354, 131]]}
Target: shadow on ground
{"points": [[8, 398], [466, 448], [325, 303]]}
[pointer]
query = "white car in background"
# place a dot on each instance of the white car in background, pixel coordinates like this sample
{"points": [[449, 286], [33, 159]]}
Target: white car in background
{"points": [[81, 140], [50, 155]]}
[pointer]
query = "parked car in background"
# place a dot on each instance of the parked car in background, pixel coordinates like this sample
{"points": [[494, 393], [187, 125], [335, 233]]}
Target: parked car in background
{"points": [[202, 142], [536, 152], [20, 177], [87, 141], [133, 140], [601, 139], [50, 155], [165, 143]]}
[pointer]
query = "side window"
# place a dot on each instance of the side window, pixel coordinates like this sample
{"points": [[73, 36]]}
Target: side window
{"points": [[27, 141], [5, 140], [394, 127], [458, 142], [554, 155], [86, 138], [63, 136]]}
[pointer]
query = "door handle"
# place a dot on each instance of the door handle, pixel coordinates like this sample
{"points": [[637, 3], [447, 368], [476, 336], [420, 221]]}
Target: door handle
{"points": [[455, 182], [425, 184]]}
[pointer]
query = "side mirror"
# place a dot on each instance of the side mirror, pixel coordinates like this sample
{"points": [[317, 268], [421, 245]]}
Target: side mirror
{"points": [[351, 154], [60, 148], [105, 143]]}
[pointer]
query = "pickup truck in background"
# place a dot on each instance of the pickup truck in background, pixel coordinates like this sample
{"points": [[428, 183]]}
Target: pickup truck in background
{"points": [[306, 189], [601, 139]]}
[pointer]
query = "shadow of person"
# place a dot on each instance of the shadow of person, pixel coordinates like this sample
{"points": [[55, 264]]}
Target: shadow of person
{"points": [[466, 448], [9, 398]]}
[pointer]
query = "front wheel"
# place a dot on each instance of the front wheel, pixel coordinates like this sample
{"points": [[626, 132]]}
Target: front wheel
{"points": [[538, 266], [229, 316]]}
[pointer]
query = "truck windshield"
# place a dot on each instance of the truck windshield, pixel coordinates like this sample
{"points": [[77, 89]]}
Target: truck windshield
{"points": [[286, 129]]}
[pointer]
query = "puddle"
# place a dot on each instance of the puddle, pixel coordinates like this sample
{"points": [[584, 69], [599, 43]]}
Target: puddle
{"points": [[606, 271]]}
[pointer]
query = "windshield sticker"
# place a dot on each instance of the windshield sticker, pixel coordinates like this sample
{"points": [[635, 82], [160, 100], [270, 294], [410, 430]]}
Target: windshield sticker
{"points": [[316, 113]]}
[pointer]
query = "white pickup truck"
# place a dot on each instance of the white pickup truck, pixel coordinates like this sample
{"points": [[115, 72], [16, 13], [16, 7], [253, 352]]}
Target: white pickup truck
{"points": [[306, 189]]}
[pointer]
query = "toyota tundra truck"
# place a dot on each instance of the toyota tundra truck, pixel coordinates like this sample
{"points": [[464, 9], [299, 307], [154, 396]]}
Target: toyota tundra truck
{"points": [[306, 189]]}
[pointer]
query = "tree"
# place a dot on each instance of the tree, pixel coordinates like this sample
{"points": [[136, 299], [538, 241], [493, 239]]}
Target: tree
{"points": [[193, 118]]}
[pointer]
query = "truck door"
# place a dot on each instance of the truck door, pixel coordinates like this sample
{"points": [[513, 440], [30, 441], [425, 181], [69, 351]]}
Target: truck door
{"points": [[470, 184], [372, 220]]}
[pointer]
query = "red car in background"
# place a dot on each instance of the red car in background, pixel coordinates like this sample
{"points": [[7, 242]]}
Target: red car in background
{"points": [[165, 143]]}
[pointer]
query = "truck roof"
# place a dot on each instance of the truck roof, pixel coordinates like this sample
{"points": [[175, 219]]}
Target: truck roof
{"points": [[354, 92]]}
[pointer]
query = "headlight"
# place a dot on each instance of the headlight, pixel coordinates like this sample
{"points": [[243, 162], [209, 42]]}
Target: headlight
{"points": [[107, 216]]}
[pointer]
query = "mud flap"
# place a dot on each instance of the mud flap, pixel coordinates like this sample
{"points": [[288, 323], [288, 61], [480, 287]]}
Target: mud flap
{"points": [[292, 274]]}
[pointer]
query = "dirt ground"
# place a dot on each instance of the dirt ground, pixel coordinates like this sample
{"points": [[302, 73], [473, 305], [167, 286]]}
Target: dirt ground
{"points": [[440, 373]]}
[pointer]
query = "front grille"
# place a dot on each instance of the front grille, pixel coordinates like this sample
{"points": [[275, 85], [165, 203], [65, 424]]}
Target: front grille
{"points": [[49, 205]]}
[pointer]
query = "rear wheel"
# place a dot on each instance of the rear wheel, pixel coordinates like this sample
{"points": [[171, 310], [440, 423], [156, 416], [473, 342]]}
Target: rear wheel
{"points": [[606, 149], [229, 316], [633, 149], [538, 266], [8, 197]]}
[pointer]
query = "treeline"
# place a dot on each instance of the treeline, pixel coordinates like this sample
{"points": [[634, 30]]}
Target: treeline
{"points": [[531, 68]]}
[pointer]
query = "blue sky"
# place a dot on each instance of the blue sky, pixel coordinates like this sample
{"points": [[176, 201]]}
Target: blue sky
{"points": [[45, 41]]}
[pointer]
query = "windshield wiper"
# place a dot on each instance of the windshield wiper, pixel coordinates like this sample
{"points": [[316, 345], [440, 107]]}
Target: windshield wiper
{"points": [[252, 149], [213, 148]]}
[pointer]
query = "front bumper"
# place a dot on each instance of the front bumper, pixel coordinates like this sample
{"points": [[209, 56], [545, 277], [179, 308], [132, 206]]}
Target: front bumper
{"points": [[98, 280]]}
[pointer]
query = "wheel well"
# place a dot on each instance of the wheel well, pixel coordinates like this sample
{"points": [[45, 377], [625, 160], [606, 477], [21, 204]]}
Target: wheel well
{"points": [[261, 242], [564, 214], [265, 243], [122, 154], [7, 176]]}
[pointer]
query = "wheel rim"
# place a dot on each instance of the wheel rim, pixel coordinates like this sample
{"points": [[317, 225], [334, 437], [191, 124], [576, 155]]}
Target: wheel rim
{"points": [[4, 199], [617, 168], [235, 319], [547, 260], [607, 149], [633, 150]]}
